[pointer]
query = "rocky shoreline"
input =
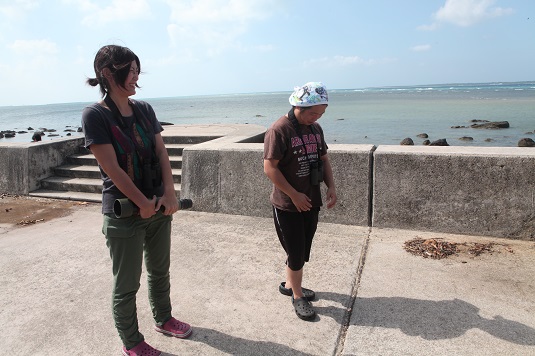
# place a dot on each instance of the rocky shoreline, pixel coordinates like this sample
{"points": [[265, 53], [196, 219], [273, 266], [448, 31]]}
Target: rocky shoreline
{"points": [[43, 132], [475, 124], [5, 135]]}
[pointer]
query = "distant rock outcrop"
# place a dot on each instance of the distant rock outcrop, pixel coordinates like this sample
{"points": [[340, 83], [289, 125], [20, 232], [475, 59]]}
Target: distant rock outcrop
{"points": [[439, 142], [407, 142], [7, 134], [526, 142], [491, 125]]}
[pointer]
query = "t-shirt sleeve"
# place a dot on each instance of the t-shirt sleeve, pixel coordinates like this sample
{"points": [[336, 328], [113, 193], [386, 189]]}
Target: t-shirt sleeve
{"points": [[96, 130], [274, 145], [324, 146]]}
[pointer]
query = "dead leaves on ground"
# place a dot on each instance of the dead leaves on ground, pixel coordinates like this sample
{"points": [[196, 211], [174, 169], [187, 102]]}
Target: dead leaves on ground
{"points": [[29, 222], [23, 211], [438, 248]]}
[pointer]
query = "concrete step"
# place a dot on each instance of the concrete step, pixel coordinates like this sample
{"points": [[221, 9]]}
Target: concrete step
{"points": [[177, 175], [93, 172], [87, 185], [95, 197], [87, 159], [78, 171], [83, 159], [67, 195], [174, 149], [176, 162], [79, 178]]}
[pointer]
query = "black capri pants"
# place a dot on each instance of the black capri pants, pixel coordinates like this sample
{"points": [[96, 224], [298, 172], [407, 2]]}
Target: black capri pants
{"points": [[296, 231]]}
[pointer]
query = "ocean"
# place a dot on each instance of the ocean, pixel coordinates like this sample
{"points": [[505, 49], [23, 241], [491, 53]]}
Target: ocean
{"points": [[376, 116]]}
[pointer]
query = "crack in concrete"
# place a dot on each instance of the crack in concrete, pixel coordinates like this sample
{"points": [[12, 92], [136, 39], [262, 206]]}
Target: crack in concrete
{"points": [[354, 290]]}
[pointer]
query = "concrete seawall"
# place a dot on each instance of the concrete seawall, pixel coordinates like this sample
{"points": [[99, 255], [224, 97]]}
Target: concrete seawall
{"points": [[229, 178], [465, 190], [469, 190], [23, 165]]}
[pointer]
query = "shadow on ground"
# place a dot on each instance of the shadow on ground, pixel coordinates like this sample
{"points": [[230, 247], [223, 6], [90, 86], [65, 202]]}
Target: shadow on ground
{"points": [[435, 320]]}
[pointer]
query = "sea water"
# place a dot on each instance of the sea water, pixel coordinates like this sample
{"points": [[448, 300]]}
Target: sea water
{"points": [[355, 116]]}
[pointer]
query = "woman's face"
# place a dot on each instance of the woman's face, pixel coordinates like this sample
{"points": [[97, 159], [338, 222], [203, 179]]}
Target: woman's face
{"points": [[310, 115], [131, 79], [129, 86]]}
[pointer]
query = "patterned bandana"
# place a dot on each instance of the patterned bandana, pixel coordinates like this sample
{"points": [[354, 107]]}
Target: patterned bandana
{"points": [[310, 94]]}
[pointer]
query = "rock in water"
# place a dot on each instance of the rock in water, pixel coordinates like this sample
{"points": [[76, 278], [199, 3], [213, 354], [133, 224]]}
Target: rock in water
{"points": [[526, 142], [440, 142], [407, 142], [491, 125]]}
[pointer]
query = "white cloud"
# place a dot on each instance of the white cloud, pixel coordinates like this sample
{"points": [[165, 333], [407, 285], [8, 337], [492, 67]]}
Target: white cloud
{"points": [[117, 10], [340, 61], [34, 48], [343, 60], [36, 62], [431, 27], [16, 9], [466, 13], [421, 48], [13, 14], [265, 48], [219, 11], [213, 26], [185, 57]]}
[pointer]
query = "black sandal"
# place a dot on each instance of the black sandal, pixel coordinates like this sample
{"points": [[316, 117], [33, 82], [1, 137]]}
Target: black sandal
{"points": [[303, 309], [308, 293]]}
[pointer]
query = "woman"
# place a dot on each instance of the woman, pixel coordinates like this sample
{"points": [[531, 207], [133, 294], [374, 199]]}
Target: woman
{"points": [[124, 136], [296, 162]]}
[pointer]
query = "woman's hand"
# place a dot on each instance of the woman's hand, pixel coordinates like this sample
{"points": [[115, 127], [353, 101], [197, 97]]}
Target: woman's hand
{"points": [[148, 209], [170, 202]]}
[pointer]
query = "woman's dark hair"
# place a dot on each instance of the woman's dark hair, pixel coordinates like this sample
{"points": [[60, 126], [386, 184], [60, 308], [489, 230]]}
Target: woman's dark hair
{"points": [[117, 59]]}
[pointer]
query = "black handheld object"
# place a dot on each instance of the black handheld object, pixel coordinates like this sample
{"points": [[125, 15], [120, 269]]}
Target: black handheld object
{"points": [[316, 172], [124, 208]]}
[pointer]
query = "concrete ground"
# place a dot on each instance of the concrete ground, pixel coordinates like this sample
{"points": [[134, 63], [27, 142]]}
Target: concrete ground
{"points": [[373, 297]]}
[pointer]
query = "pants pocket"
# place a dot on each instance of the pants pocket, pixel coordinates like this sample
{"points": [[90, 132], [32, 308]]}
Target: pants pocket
{"points": [[119, 228]]}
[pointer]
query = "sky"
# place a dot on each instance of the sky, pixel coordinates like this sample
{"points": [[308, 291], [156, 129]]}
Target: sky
{"points": [[205, 47]]}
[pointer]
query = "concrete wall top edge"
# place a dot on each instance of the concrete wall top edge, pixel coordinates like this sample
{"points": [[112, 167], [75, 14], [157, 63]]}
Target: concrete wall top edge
{"points": [[233, 146], [231, 136], [228, 131], [457, 150], [57, 140], [338, 147]]}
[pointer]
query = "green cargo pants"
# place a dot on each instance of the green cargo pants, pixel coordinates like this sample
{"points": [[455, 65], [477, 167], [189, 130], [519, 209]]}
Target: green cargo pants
{"points": [[128, 239]]}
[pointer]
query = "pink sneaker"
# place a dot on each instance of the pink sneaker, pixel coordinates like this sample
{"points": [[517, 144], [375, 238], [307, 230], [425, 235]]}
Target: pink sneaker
{"points": [[141, 349], [174, 328]]}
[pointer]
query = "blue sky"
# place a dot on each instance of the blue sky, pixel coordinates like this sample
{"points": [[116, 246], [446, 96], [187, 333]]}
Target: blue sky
{"points": [[239, 46]]}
